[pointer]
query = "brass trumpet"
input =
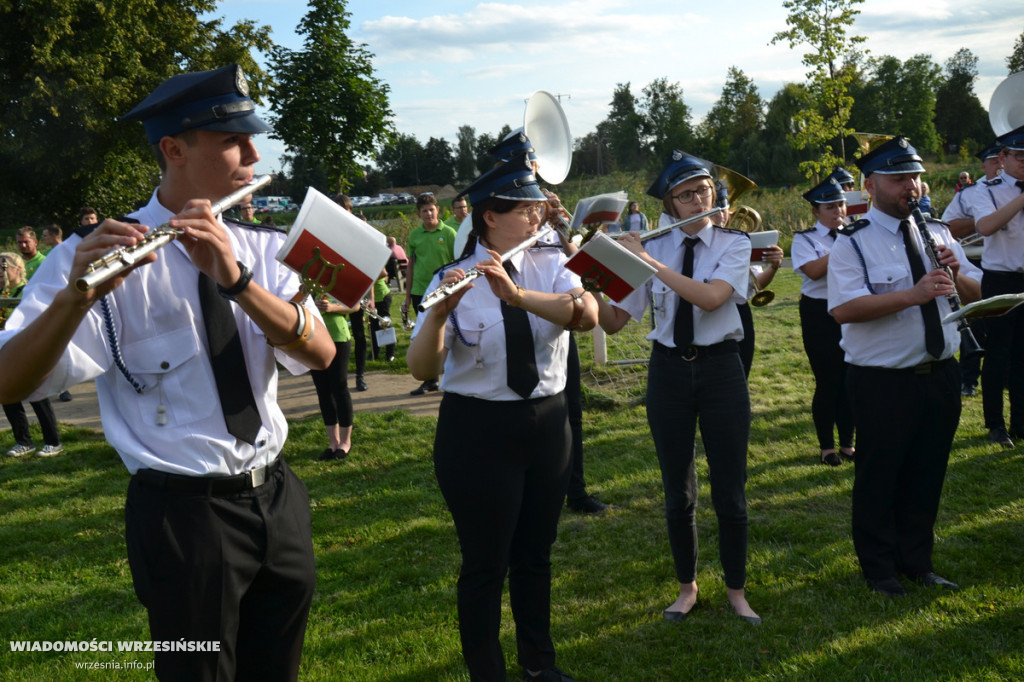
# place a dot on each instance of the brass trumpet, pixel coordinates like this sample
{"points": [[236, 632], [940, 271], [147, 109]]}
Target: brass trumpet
{"points": [[119, 260], [407, 324], [383, 321]]}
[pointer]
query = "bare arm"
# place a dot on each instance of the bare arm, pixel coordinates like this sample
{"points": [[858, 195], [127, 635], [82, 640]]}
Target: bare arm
{"points": [[817, 268]]}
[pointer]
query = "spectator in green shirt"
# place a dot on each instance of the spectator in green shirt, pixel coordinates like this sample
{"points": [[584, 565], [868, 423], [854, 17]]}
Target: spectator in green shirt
{"points": [[28, 244], [430, 246]]}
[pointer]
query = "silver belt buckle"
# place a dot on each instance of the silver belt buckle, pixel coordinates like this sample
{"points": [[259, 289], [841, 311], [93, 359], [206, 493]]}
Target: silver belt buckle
{"points": [[258, 476], [688, 354]]}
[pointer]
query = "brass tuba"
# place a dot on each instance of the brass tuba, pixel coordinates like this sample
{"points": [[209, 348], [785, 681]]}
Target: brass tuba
{"points": [[742, 218]]}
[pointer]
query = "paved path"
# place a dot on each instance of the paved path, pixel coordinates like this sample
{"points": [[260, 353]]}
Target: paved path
{"points": [[296, 396]]}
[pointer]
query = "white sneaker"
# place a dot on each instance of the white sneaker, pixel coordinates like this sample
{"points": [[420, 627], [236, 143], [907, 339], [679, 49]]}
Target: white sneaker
{"points": [[50, 451], [20, 451]]}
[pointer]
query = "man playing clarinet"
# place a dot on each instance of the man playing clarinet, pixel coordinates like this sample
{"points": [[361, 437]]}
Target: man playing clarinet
{"points": [[890, 297]]}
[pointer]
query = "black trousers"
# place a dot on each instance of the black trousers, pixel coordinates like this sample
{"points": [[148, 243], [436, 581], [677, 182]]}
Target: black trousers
{"points": [[235, 568], [574, 401], [503, 469], [384, 310], [332, 388], [711, 391], [747, 342], [905, 427], [1004, 354], [18, 418], [830, 406], [359, 341]]}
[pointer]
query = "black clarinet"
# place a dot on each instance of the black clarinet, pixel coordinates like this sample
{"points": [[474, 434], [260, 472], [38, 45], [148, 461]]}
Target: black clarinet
{"points": [[971, 347]]}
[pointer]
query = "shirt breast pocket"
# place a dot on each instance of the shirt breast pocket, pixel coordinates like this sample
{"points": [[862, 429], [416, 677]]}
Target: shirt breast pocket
{"points": [[889, 277], [174, 375], [478, 321]]}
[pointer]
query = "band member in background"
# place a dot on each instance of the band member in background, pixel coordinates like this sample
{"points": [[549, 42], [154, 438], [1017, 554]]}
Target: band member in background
{"points": [[998, 209], [903, 380], [830, 407], [961, 225], [695, 370], [501, 452], [192, 411], [761, 275]]}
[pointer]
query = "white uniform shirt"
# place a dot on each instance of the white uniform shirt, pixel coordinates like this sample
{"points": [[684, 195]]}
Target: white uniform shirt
{"points": [[960, 207], [810, 245], [1004, 249], [162, 338], [895, 340], [479, 371], [721, 254]]}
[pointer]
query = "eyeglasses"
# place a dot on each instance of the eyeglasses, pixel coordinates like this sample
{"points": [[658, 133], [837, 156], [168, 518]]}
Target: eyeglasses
{"points": [[687, 196], [1016, 156], [244, 208], [530, 211]]}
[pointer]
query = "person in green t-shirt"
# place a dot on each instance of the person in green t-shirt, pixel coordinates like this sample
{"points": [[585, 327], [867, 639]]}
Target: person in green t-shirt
{"points": [[382, 307], [460, 209], [28, 244], [332, 383], [430, 246]]}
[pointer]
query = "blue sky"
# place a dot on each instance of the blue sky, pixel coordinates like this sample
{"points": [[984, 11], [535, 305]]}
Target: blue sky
{"points": [[474, 63]]}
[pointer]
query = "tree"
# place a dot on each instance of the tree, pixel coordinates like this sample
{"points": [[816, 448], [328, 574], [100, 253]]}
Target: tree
{"points": [[621, 132], [959, 114], [465, 155], [1015, 61], [438, 163], [822, 25], [778, 159], [69, 70], [399, 160], [730, 128], [898, 98], [666, 120], [327, 102]]}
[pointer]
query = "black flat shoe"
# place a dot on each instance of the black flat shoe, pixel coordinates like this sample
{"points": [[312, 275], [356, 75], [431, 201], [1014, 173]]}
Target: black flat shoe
{"points": [[551, 674], [890, 587], [341, 454], [931, 579], [831, 459], [751, 620], [848, 456], [588, 504], [326, 455], [1000, 437]]}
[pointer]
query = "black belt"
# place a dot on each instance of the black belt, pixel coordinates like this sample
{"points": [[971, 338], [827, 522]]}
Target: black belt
{"points": [[219, 485], [923, 368], [691, 353], [1003, 274]]}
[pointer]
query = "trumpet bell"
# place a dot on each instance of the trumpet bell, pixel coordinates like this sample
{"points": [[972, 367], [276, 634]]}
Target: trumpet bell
{"points": [[548, 129], [1006, 108], [762, 298]]}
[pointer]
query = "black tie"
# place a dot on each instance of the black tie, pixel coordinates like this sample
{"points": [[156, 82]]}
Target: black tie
{"points": [[228, 361], [1020, 185], [832, 234], [520, 359], [683, 331], [934, 340]]}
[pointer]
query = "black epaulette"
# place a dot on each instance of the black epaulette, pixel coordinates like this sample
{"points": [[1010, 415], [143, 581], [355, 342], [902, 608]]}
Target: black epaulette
{"points": [[933, 219], [853, 227], [256, 226], [993, 182], [809, 230], [731, 230]]}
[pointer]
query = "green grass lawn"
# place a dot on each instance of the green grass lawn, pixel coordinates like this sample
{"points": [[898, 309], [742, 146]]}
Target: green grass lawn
{"points": [[387, 557]]}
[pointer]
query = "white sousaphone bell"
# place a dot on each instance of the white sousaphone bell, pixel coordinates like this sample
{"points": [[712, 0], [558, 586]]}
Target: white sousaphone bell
{"points": [[545, 124], [1006, 108]]}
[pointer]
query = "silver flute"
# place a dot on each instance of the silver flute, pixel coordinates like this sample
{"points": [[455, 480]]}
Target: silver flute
{"points": [[445, 290], [119, 260]]}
